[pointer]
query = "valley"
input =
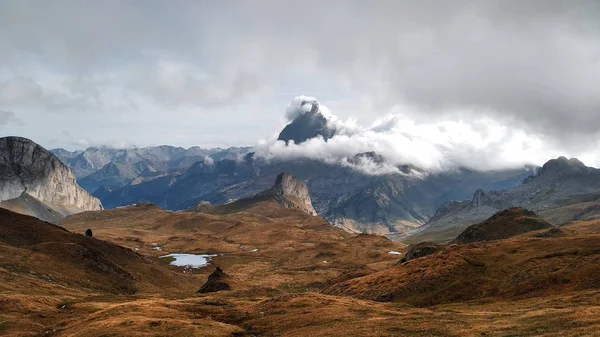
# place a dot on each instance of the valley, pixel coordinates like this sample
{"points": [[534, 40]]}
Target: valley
{"points": [[265, 168], [264, 261], [64, 283]]}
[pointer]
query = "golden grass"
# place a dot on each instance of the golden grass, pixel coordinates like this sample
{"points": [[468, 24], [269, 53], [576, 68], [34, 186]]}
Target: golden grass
{"points": [[516, 287]]}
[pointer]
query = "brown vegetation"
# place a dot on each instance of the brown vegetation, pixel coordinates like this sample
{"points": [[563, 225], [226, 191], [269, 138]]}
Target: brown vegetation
{"points": [[538, 283]]}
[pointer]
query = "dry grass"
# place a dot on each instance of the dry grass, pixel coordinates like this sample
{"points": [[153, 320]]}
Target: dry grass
{"points": [[525, 286]]}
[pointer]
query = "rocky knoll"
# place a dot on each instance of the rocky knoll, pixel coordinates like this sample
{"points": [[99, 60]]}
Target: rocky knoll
{"points": [[217, 281], [503, 225], [421, 249], [27, 167]]}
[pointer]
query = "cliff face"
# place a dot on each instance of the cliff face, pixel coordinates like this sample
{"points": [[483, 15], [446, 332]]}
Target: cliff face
{"points": [[291, 193], [27, 167]]}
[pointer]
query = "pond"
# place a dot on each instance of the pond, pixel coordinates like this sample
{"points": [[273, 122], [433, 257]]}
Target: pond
{"points": [[189, 260]]}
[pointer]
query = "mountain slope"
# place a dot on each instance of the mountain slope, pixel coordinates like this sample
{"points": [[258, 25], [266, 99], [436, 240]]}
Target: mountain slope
{"points": [[74, 260], [28, 205], [27, 167], [389, 204], [506, 270], [503, 225], [287, 191], [558, 183]]}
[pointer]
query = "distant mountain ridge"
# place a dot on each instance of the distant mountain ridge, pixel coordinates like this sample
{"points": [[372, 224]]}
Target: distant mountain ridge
{"points": [[114, 168], [389, 204], [557, 183]]}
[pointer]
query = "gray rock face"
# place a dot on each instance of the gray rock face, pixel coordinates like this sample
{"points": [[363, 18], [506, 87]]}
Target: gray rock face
{"points": [[27, 167], [291, 193]]}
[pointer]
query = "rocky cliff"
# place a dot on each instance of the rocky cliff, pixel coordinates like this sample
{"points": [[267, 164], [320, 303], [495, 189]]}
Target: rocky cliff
{"points": [[291, 193], [27, 167]]}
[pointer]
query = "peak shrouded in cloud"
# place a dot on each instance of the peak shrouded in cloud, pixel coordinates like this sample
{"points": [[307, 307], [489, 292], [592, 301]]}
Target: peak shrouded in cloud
{"points": [[518, 77], [396, 140], [307, 121]]}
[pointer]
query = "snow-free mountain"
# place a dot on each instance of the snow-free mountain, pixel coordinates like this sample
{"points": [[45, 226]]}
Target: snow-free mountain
{"points": [[34, 181], [562, 190], [391, 202]]}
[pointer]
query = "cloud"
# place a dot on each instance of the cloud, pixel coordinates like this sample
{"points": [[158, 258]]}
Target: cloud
{"points": [[529, 66], [480, 144], [299, 106], [9, 117], [19, 91]]}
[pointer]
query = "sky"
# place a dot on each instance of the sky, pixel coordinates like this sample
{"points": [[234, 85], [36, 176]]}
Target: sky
{"points": [[485, 84]]}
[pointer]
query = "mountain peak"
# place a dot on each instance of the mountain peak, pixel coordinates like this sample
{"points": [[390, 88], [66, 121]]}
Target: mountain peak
{"points": [[369, 156], [562, 165], [308, 122], [292, 193]]}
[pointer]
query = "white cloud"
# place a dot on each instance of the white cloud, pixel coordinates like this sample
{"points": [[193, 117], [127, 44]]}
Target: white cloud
{"points": [[207, 73], [481, 144], [9, 118]]}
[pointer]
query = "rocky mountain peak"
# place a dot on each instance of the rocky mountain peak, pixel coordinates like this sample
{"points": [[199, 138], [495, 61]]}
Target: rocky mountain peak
{"points": [[562, 165], [480, 198], [292, 193], [307, 125], [370, 156], [27, 167]]}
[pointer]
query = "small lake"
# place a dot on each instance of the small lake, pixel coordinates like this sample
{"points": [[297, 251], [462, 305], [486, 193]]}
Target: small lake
{"points": [[189, 260]]}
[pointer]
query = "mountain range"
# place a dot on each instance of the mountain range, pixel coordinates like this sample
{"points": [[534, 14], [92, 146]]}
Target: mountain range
{"points": [[398, 203], [266, 264], [562, 190], [391, 203]]}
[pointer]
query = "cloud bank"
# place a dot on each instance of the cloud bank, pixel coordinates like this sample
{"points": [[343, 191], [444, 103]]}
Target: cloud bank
{"points": [[213, 73], [480, 144]]}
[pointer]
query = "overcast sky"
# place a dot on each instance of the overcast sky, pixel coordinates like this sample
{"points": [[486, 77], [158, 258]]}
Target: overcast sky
{"points": [[427, 78]]}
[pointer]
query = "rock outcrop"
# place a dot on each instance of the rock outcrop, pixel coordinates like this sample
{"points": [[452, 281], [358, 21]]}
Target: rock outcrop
{"points": [[27, 167], [217, 281], [421, 249], [290, 192]]}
